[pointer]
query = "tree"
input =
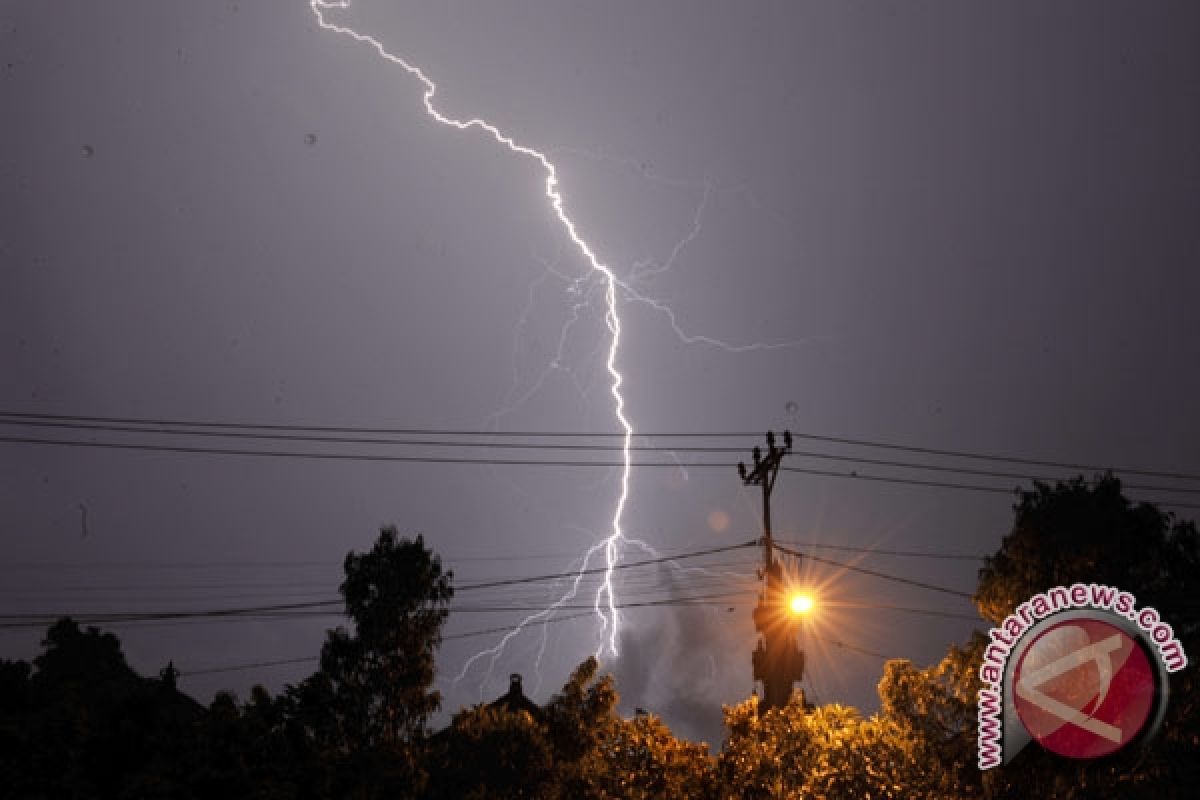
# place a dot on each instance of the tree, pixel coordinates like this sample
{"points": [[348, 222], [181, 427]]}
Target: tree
{"points": [[576, 747], [397, 597], [1079, 532], [600, 755], [15, 752], [491, 752], [640, 758], [364, 713], [575, 716], [829, 751], [83, 724], [936, 709]]}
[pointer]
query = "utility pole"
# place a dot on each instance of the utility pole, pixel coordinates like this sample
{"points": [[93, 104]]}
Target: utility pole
{"points": [[778, 661]]}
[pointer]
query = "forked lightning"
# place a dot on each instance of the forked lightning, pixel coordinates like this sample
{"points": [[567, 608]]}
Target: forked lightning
{"points": [[605, 603]]}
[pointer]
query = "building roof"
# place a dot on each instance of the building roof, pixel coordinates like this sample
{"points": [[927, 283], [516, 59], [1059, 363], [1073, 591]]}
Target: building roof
{"points": [[515, 700]]}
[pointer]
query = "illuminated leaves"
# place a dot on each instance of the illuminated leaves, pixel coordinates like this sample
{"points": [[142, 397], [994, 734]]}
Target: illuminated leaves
{"points": [[829, 751]]}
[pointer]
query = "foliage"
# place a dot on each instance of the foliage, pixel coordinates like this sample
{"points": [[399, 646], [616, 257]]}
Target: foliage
{"points": [[1077, 531], [81, 723], [577, 747], [492, 752], [640, 758], [396, 597], [358, 725], [575, 716], [829, 751], [936, 710]]}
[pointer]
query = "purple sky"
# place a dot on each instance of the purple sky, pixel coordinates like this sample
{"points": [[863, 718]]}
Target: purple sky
{"points": [[974, 226]]}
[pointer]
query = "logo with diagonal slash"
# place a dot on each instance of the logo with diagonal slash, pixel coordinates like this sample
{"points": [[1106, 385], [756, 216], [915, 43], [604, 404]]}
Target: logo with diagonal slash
{"points": [[1080, 669], [1084, 688]]}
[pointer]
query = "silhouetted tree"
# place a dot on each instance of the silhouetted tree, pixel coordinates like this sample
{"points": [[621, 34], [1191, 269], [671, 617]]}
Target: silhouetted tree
{"points": [[491, 752], [1079, 532], [396, 596], [15, 752], [363, 715], [85, 725]]}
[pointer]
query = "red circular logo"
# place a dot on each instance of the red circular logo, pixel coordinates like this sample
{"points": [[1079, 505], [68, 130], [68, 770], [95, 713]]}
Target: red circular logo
{"points": [[1084, 688]]}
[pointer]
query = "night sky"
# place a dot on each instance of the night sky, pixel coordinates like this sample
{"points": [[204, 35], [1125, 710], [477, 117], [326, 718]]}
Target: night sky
{"points": [[949, 225]]}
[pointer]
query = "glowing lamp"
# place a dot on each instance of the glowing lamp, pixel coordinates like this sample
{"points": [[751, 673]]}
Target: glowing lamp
{"points": [[800, 603]]}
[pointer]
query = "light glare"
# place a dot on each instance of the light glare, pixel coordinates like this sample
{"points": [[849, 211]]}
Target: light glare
{"points": [[801, 603]]}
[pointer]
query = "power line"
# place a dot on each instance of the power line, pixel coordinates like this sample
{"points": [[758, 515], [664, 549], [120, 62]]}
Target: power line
{"points": [[596, 570], [706, 576], [929, 612], [682, 600], [303, 610], [334, 563], [853, 648], [978, 488], [253, 665], [878, 551], [330, 565], [558, 447], [365, 457], [229, 451], [553, 447], [319, 604], [971, 487], [305, 659], [875, 573], [507, 628], [695, 601], [118, 616], [993, 457]]}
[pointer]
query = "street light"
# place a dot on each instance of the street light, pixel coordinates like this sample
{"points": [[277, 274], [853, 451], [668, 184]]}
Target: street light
{"points": [[800, 603]]}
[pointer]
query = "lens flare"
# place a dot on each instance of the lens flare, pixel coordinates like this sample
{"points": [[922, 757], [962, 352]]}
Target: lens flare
{"points": [[801, 603]]}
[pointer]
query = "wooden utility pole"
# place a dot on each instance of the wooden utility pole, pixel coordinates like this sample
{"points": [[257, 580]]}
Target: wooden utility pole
{"points": [[778, 661]]}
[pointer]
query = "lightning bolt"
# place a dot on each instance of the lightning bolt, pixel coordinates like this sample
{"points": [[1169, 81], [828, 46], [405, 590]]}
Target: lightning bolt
{"points": [[599, 279], [605, 601]]}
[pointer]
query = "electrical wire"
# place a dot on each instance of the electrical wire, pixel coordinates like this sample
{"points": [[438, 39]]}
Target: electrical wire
{"points": [[558, 447], [605, 569], [304, 659], [383, 458], [708, 600], [875, 573], [244, 426], [850, 647], [877, 551]]}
